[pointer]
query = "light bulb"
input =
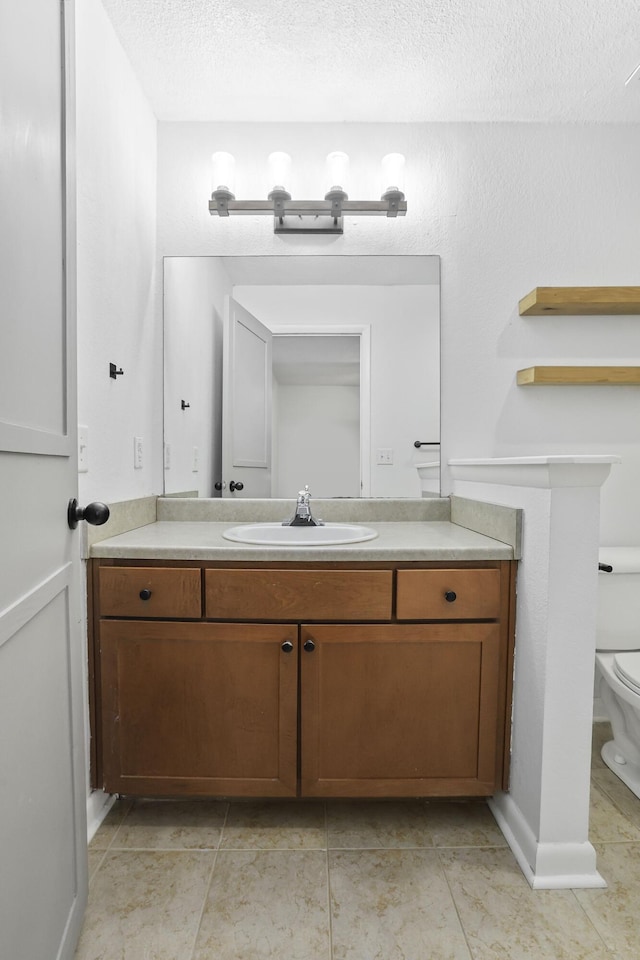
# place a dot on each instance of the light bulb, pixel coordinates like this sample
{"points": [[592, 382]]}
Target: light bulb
{"points": [[392, 175], [223, 172], [279, 170], [338, 170]]}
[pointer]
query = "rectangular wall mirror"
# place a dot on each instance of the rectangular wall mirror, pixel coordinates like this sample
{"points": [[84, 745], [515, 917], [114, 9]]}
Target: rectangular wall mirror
{"points": [[281, 371]]}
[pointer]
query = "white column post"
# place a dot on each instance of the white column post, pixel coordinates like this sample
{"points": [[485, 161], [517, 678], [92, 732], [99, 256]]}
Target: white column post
{"points": [[545, 814]]}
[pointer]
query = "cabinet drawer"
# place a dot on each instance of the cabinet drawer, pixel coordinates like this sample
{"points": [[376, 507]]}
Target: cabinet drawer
{"points": [[260, 594], [150, 592], [450, 594]]}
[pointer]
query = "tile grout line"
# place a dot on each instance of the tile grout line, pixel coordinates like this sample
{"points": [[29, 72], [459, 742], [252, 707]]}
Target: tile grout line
{"points": [[602, 791], [208, 886], [320, 849], [100, 862], [166, 849], [453, 899], [328, 874], [602, 788], [613, 843], [591, 923]]}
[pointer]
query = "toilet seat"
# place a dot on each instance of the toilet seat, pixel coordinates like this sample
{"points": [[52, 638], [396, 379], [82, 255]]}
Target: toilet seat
{"points": [[626, 667]]}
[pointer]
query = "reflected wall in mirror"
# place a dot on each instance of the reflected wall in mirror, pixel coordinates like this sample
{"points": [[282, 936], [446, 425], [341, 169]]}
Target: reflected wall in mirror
{"points": [[337, 375]]}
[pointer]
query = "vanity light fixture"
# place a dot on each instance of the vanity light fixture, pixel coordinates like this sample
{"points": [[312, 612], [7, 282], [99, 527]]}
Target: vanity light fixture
{"points": [[308, 216]]}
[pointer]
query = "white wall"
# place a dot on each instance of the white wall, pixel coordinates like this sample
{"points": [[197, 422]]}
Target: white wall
{"points": [[507, 207], [544, 205], [194, 292], [316, 440], [118, 316]]}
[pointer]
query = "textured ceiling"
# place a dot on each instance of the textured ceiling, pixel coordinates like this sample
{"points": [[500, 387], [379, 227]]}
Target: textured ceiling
{"points": [[384, 60]]}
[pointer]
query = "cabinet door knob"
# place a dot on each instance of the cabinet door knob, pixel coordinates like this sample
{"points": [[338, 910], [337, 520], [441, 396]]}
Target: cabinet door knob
{"points": [[287, 646], [145, 594], [450, 596], [236, 486], [309, 646]]}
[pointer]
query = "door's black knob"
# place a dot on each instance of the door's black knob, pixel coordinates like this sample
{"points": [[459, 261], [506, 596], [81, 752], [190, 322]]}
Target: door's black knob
{"points": [[450, 596], [287, 646], [236, 486], [309, 645], [94, 513], [145, 594], [218, 485]]}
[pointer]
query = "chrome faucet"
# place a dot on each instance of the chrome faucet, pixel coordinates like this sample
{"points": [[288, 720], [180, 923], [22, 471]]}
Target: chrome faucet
{"points": [[302, 516]]}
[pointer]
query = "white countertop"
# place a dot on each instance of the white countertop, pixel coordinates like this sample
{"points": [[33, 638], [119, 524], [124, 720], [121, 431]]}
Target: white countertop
{"points": [[402, 540]]}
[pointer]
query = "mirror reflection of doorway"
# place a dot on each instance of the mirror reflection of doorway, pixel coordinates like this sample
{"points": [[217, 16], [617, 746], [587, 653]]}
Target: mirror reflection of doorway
{"points": [[295, 407], [316, 415]]}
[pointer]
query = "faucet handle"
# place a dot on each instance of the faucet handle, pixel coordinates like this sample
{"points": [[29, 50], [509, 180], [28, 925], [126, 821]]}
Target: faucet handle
{"points": [[304, 493]]}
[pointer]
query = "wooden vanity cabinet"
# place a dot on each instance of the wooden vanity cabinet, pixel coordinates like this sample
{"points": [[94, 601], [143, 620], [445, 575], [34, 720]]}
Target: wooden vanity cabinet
{"points": [[316, 680]]}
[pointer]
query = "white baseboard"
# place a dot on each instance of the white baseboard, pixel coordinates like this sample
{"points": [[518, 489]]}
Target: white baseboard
{"points": [[98, 805], [546, 866]]}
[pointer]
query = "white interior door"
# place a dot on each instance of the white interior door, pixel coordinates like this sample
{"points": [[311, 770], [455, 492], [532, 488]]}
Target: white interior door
{"points": [[43, 872], [246, 405]]}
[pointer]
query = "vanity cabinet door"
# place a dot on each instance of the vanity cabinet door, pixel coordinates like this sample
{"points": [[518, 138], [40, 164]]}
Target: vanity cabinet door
{"points": [[199, 709], [400, 710]]}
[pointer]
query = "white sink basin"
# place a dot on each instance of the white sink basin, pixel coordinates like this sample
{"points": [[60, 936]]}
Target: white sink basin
{"points": [[275, 535]]}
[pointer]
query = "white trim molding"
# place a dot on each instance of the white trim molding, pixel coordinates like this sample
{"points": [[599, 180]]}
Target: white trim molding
{"points": [[553, 471]]}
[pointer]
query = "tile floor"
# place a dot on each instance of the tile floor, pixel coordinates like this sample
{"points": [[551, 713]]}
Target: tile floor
{"points": [[415, 880]]}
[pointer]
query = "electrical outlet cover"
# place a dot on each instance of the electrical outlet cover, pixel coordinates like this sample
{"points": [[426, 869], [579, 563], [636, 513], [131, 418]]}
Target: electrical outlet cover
{"points": [[137, 453]]}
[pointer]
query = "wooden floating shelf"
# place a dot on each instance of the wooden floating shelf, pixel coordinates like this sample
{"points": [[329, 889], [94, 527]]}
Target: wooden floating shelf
{"points": [[616, 376], [580, 301]]}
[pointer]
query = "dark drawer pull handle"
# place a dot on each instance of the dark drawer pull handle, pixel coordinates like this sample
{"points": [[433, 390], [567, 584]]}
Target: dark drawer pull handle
{"points": [[145, 594], [450, 596], [287, 646], [309, 646]]}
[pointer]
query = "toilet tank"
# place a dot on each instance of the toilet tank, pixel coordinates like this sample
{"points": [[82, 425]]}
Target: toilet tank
{"points": [[618, 624]]}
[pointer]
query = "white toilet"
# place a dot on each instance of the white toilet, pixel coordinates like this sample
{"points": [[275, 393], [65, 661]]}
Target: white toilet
{"points": [[618, 660]]}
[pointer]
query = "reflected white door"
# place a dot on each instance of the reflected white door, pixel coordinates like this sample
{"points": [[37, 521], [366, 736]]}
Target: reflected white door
{"points": [[43, 872], [246, 405]]}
